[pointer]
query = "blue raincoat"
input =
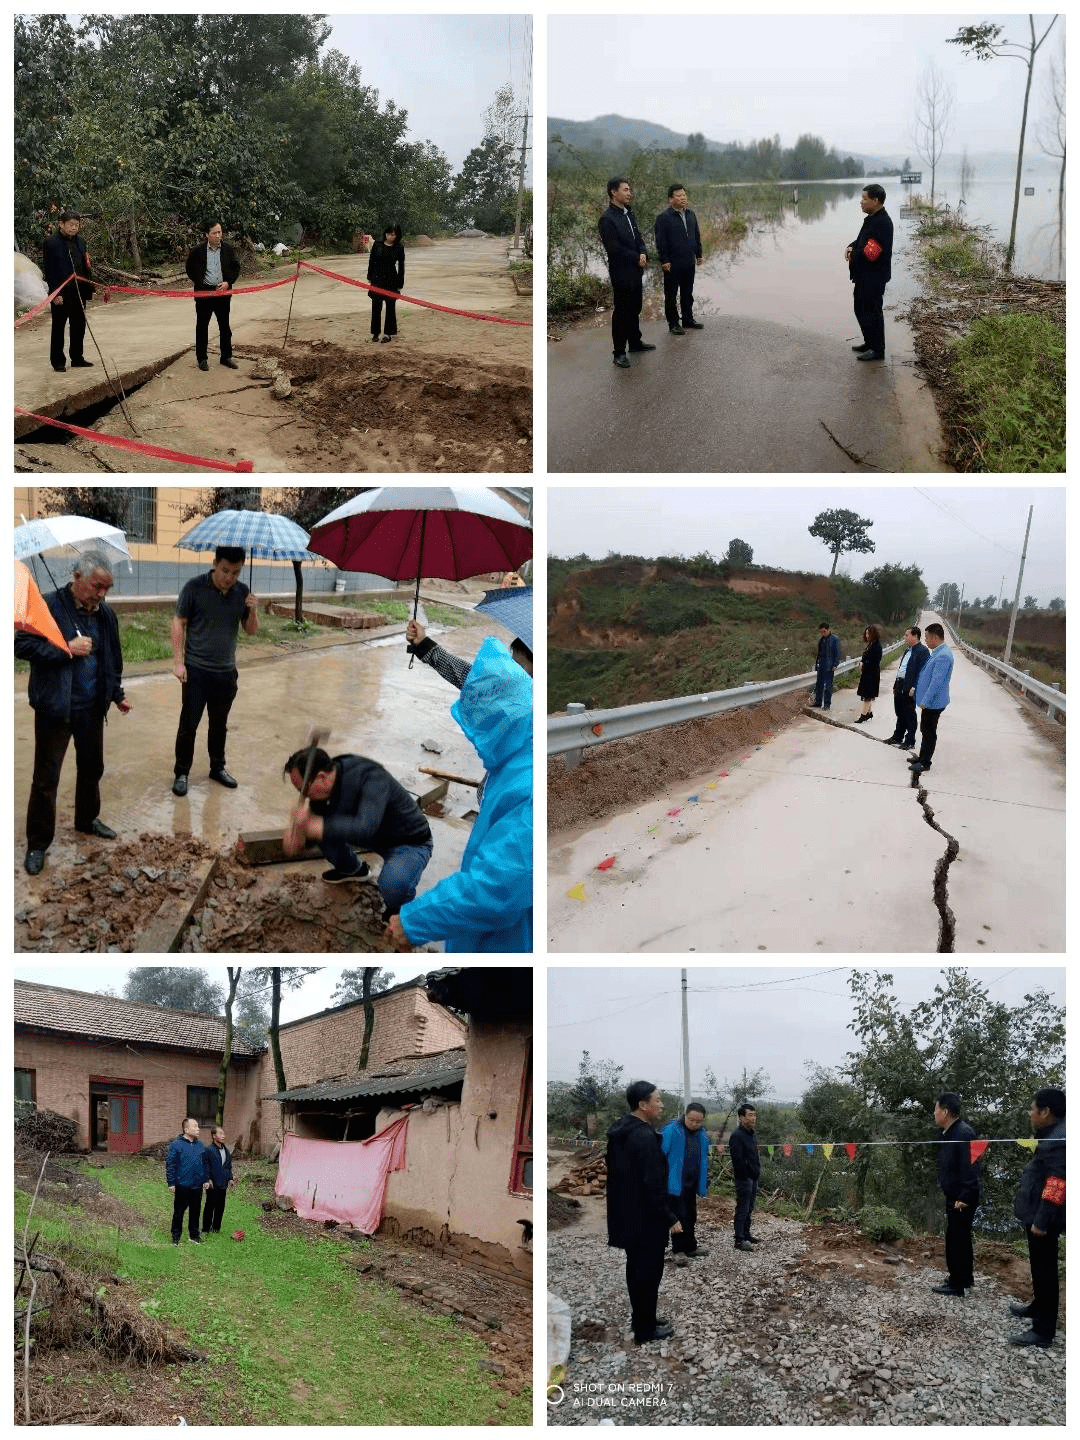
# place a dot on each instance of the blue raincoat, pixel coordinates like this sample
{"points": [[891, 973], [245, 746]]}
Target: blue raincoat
{"points": [[487, 904]]}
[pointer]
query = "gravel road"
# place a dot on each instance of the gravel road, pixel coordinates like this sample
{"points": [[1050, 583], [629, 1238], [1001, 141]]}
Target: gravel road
{"points": [[789, 1336]]}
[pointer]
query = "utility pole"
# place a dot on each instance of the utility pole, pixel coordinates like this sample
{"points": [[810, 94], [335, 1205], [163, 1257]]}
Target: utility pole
{"points": [[527, 91], [1019, 582], [685, 1048], [960, 607], [1001, 591]]}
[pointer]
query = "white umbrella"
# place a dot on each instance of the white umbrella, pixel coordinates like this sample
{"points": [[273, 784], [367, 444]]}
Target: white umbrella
{"points": [[70, 532]]}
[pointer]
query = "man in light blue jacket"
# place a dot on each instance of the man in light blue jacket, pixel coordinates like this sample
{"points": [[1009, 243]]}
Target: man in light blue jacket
{"points": [[932, 695], [686, 1148], [487, 904]]}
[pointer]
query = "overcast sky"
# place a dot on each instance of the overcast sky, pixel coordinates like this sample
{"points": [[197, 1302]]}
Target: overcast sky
{"points": [[314, 995], [971, 536], [443, 69], [849, 78], [760, 1017]]}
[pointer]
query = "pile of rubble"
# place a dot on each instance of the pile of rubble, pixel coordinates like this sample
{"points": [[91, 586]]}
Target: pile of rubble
{"points": [[589, 1177]]}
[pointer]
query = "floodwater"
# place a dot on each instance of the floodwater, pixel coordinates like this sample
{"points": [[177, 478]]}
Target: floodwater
{"points": [[1040, 239]]}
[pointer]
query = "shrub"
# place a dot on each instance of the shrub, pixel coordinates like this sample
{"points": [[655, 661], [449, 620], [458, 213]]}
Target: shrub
{"points": [[878, 1222], [568, 292]]}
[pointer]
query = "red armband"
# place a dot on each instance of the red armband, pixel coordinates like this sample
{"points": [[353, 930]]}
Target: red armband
{"points": [[871, 250], [1054, 1190]]}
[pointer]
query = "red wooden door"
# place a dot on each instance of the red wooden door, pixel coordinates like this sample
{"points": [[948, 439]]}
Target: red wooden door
{"points": [[125, 1124]]}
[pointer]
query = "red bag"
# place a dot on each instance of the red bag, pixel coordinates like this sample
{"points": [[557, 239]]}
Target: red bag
{"points": [[871, 250]]}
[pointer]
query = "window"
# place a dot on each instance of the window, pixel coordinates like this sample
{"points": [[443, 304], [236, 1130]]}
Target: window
{"points": [[521, 1179], [141, 523], [25, 1092], [202, 1103], [245, 497]]}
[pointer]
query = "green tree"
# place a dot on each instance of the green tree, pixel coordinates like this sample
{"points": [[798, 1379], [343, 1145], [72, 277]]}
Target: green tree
{"points": [[1030, 603], [739, 554], [596, 1087], [946, 597], [485, 186], [897, 591], [175, 988], [842, 531], [112, 505], [1056, 605], [280, 978], [350, 985], [233, 973], [985, 42]]}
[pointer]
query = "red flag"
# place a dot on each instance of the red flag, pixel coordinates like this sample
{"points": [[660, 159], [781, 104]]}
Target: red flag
{"points": [[977, 1148], [787, 1149], [851, 1147], [606, 864]]}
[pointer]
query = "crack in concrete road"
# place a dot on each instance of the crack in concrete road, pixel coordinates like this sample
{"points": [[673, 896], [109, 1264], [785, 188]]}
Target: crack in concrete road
{"points": [[946, 918]]}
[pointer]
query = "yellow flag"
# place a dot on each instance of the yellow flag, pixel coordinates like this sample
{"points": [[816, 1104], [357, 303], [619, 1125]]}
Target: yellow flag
{"points": [[1028, 1144], [828, 1151], [577, 893]]}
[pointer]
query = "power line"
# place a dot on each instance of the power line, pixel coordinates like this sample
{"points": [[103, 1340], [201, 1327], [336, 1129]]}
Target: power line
{"points": [[610, 1014], [961, 521], [762, 984]]}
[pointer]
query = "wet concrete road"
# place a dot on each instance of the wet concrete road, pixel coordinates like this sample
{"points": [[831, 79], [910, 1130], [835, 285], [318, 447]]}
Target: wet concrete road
{"points": [[821, 828], [367, 696]]}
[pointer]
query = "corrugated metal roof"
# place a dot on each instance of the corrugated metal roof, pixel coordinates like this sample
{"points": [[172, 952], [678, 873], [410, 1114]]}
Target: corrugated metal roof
{"points": [[76, 1012], [442, 1078]]}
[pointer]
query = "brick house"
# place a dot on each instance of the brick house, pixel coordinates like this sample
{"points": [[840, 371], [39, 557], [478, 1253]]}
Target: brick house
{"points": [[128, 1073]]}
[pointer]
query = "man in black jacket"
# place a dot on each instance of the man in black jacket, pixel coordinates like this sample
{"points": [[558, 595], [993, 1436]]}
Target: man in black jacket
{"points": [[220, 1173], [65, 254], [70, 696], [354, 804], [627, 259], [746, 1168], [869, 258], [1040, 1208], [958, 1177], [914, 658], [639, 1210], [213, 266], [678, 244]]}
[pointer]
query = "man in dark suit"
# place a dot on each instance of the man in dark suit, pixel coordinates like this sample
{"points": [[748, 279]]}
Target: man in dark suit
{"points": [[958, 1177], [828, 658], [678, 244], [1040, 1208], [869, 258], [65, 254], [914, 658], [213, 266], [626, 263]]}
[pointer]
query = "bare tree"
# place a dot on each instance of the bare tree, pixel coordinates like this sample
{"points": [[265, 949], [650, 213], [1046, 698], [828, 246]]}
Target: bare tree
{"points": [[985, 43], [933, 119], [967, 173], [1050, 132], [226, 1054]]}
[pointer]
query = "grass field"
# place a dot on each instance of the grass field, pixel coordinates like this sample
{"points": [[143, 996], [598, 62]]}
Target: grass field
{"points": [[296, 1336]]}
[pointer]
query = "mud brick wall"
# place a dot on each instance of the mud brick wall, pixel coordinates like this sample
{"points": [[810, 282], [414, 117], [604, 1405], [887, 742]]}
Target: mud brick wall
{"points": [[454, 1193], [328, 1044], [64, 1066]]}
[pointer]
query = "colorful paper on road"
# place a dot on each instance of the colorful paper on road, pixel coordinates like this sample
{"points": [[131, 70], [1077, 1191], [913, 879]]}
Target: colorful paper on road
{"points": [[31, 612], [326, 1180], [576, 892], [606, 864]]}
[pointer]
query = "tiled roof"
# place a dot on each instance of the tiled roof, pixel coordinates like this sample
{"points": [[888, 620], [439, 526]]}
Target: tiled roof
{"points": [[76, 1012], [419, 1072]]}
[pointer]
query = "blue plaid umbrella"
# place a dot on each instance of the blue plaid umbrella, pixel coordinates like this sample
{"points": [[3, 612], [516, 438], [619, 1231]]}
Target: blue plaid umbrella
{"points": [[513, 609], [264, 537]]}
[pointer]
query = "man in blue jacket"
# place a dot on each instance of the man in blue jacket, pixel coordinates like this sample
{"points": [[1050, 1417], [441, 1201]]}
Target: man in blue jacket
{"points": [[627, 259], [686, 1146], [70, 695], [486, 906], [678, 245], [219, 1165], [746, 1168], [912, 662], [932, 695], [828, 658], [187, 1174]]}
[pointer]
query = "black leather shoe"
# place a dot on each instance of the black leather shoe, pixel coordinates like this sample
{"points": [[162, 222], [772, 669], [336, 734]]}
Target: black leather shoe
{"points": [[693, 325], [755, 1240], [640, 349], [743, 1245], [860, 349], [34, 862], [59, 369], [871, 355], [815, 704], [662, 1332], [676, 330], [919, 768], [1030, 1338], [204, 365], [179, 785], [1022, 1312], [622, 362], [100, 829], [230, 364], [947, 1289], [223, 777], [81, 364], [907, 745], [892, 740]]}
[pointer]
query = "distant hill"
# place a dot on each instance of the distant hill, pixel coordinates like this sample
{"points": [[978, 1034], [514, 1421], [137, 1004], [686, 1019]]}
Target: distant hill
{"points": [[613, 132]]}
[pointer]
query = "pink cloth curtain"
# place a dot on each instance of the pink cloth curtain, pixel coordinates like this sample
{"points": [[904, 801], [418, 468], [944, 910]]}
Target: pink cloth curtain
{"points": [[328, 1180]]}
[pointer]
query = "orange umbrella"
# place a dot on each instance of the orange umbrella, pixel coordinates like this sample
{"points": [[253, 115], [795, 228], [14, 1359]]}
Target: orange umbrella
{"points": [[31, 612]]}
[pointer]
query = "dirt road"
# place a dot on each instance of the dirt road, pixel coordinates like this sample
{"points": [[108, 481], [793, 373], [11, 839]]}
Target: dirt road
{"points": [[788, 850], [448, 394]]}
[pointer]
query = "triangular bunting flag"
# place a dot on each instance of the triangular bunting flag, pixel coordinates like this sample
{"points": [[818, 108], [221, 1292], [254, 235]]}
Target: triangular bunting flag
{"points": [[977, 1148], [809, 1149], [828, 1149], [1028, 1144], [850, 1147], [769, 1148], [606, 864], [576, 893], [787, 1147]]}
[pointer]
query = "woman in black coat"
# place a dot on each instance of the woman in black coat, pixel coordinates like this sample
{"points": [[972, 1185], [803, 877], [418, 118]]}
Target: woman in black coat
{"points": [[870, 680], [386, 268]]}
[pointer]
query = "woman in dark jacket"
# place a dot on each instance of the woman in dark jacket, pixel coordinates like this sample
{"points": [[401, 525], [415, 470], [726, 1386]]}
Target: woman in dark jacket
{"points": [[870, 680], [386, 269]]}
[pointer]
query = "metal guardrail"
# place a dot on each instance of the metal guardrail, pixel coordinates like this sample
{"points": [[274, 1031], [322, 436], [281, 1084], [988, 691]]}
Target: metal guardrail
{"points": [[1020, 680], [580, 729]]}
